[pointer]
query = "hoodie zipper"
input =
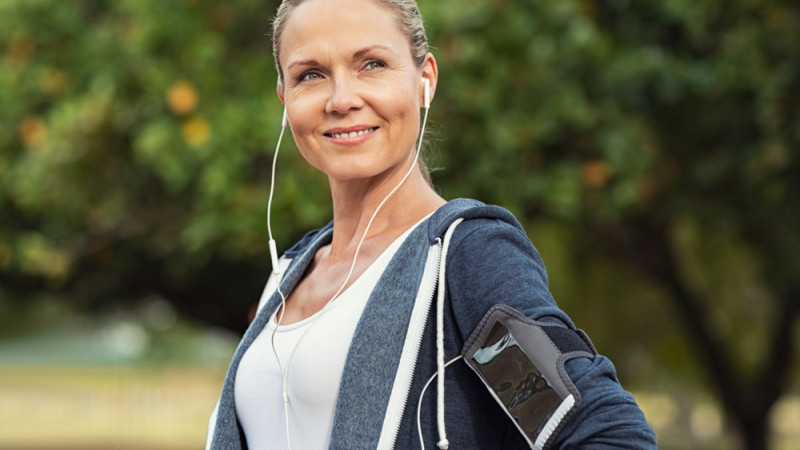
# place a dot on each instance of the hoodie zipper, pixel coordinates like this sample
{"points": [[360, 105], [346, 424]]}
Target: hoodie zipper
{"points": [[408, 359]]}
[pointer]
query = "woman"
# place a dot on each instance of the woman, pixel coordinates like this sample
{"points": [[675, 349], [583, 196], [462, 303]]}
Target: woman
{"points": [[348, 333]]}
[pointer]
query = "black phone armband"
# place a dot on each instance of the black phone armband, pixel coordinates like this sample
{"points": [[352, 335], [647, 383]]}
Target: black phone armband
{"points": [[521, 362]]}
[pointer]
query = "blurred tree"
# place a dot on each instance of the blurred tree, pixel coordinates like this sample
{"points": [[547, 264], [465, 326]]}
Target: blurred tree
{"points": [[663, 134], [656, 139], [134, 161]]}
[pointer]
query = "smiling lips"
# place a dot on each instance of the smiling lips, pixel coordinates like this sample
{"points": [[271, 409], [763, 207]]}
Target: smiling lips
{"points": [[350, 133]]}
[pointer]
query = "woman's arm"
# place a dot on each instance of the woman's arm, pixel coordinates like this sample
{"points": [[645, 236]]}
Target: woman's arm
{"points": [[492, 261]]}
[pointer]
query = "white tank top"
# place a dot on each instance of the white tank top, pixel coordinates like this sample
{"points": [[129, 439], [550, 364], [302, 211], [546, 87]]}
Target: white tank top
{"points": [[314, 373]]}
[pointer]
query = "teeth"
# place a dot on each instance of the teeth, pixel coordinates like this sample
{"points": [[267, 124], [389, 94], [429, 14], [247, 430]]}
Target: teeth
{"points": [[352, 134]]}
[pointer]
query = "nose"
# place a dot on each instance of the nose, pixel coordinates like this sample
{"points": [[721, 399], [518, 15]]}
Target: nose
{"points": [[344, 96]]}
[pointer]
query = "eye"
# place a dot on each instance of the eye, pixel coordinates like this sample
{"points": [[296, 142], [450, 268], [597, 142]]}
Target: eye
{"points": [[374, 64], [308, 76]]}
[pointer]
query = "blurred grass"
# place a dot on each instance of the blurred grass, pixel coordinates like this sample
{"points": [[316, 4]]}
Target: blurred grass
{"points": [[80, 407], [166, 407]]}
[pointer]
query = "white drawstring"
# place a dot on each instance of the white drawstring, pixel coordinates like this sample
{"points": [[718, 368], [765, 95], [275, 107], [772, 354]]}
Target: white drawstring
{"points": [[422, 394], [443, 443]]}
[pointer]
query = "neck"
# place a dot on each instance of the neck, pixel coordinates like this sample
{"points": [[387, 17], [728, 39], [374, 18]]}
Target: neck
{"points": [[355, 202]]}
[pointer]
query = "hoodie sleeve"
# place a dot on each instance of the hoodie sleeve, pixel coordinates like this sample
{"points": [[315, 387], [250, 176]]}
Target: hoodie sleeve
{"points": [[492, 261]]}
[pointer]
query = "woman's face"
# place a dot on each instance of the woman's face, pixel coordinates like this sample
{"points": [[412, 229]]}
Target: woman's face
{"points": [[351, 88]]}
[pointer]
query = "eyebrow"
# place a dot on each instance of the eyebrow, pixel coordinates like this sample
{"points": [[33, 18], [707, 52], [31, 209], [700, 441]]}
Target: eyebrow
{"points": [[368, 49], [358, 54]]}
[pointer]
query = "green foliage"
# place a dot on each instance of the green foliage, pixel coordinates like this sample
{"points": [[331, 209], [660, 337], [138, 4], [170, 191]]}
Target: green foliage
{"points": [[134, 129], [606, 116]]}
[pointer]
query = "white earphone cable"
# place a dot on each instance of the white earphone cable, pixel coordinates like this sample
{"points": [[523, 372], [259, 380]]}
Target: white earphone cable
{"points": [[276, 264], [276, 270], [272, 184]]}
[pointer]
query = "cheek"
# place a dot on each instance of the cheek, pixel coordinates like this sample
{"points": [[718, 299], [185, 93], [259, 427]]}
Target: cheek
{"points": [[301, 115], [405, 111], [399, 108], [302, 125], [312, 158]]}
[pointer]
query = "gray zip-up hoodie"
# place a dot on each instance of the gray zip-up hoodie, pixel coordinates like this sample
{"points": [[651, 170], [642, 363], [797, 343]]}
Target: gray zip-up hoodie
{"points": [[489, 260]]}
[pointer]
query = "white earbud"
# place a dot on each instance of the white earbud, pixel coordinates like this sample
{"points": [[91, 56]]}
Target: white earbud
{"points": [[285, 120], [427, 84]]}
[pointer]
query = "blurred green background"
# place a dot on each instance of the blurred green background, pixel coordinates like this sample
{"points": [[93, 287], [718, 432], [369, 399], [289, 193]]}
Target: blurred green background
{"points": [[650, 148]]}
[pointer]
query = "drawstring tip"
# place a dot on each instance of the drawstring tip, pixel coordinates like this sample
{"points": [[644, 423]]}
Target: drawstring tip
{"points": [[444, 444]]}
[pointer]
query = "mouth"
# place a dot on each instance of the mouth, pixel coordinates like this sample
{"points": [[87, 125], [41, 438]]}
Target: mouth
{"points": [[350, 133]]}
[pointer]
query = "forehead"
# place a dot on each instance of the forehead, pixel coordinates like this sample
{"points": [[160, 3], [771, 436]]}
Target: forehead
{"points": [[342, 26]]}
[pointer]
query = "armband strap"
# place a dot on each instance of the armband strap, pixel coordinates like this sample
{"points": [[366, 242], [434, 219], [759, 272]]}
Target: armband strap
{"points": [[521, 362]]}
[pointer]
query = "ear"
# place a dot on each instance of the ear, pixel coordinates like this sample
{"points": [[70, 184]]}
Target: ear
{"points": [[280, 92], [430, 72]]}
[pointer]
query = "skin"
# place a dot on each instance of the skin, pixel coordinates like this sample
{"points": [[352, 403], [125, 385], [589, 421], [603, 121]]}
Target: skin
{"points": [[348, 68]]}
